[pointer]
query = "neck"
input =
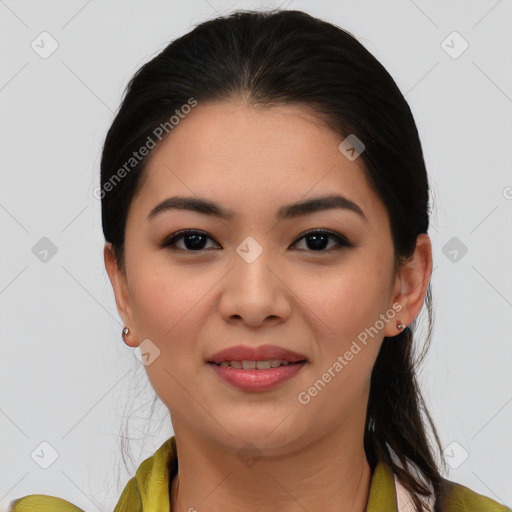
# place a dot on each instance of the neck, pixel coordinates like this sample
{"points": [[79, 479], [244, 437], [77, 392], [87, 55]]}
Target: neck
{"points": [[329, 474]]}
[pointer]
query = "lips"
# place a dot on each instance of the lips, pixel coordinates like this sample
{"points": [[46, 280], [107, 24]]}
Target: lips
{"points": [[261, 353]]}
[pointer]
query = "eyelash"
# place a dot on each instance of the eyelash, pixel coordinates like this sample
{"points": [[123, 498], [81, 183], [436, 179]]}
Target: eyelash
{"points": [[170, 241]]}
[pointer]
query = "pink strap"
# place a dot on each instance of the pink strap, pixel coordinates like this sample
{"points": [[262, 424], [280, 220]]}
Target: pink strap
{"points": [[404, 499]]}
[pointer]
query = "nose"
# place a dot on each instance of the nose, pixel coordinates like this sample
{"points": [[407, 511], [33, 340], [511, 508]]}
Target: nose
{"points": [[255, 292]]}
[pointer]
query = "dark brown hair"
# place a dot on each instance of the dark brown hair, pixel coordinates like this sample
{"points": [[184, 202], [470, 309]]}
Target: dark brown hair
{"points": [[289, 57]]}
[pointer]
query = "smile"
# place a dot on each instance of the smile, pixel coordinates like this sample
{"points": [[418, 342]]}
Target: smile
{"points": [[256, 365], [256, 376]]}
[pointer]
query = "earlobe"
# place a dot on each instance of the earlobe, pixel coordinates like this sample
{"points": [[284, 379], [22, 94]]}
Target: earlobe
{"points": [[411, 284], [119, 286], [125, 333]]}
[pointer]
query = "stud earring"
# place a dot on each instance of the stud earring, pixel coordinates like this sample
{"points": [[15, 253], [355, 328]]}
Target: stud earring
{"points": [[125, 332], [400, 325]]}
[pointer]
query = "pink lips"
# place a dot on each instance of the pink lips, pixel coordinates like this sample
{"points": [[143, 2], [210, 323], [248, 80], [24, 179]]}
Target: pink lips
{"points": [[261, 353], [256, 380]]}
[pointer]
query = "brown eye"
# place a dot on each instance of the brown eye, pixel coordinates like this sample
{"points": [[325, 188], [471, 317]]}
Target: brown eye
{"points": [[318, 240], [193, 241]]}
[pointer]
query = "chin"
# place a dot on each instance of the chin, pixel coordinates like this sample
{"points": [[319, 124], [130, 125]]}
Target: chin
{"points": [[260, 437]]}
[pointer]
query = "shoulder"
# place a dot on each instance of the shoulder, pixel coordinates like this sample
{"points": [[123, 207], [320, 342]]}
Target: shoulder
{"points": [[459, 498], [129, 501], [41, 503], [148, 486]]}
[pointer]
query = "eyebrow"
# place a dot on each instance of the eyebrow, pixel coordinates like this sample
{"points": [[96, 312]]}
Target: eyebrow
{"points": [[210, 208]]}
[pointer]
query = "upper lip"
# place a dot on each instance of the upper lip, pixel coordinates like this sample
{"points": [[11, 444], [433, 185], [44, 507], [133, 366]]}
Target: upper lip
{"points": [[261, 353]]}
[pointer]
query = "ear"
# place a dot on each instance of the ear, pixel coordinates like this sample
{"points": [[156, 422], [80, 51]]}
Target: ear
{"points": [[119, 283], [411, 284]]}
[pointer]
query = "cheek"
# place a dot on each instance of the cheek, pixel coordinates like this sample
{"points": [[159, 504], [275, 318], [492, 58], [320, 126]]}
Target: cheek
{"points": [[166, 301], [346, 301], [155, 303], [167, 307], [346, 307]]}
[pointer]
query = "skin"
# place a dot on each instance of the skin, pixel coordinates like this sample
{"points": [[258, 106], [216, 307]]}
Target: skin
{"points": [[193, 304]]}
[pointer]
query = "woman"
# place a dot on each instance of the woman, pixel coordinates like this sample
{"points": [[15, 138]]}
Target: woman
{"points": [[265, 208]]}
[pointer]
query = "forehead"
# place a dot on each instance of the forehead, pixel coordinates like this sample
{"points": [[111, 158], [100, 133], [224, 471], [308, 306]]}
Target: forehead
{"points": [[252, 159], [232, 132]]}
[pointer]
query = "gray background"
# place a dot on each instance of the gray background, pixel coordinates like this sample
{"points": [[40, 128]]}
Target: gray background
{"points": [[68, 379]]}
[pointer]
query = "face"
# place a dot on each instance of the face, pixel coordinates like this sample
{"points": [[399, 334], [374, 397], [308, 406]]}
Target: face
{"points": [[257, 278]]}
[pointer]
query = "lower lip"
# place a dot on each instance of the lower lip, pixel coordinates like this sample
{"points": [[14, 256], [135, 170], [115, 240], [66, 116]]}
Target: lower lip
{"points": [[257, 380]]}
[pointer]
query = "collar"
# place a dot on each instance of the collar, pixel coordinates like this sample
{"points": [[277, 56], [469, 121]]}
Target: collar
{"points": [[151, 483]]}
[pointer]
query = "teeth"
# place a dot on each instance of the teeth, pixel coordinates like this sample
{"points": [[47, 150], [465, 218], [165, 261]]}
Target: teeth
{"points": [[253, 365]]}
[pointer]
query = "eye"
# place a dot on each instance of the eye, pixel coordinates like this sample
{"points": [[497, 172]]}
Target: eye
{"points": [[195, 241], [318, 239]]}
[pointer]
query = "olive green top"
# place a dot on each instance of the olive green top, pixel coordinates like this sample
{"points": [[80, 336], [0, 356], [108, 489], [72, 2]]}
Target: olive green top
{"points": [[148, 491]]}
